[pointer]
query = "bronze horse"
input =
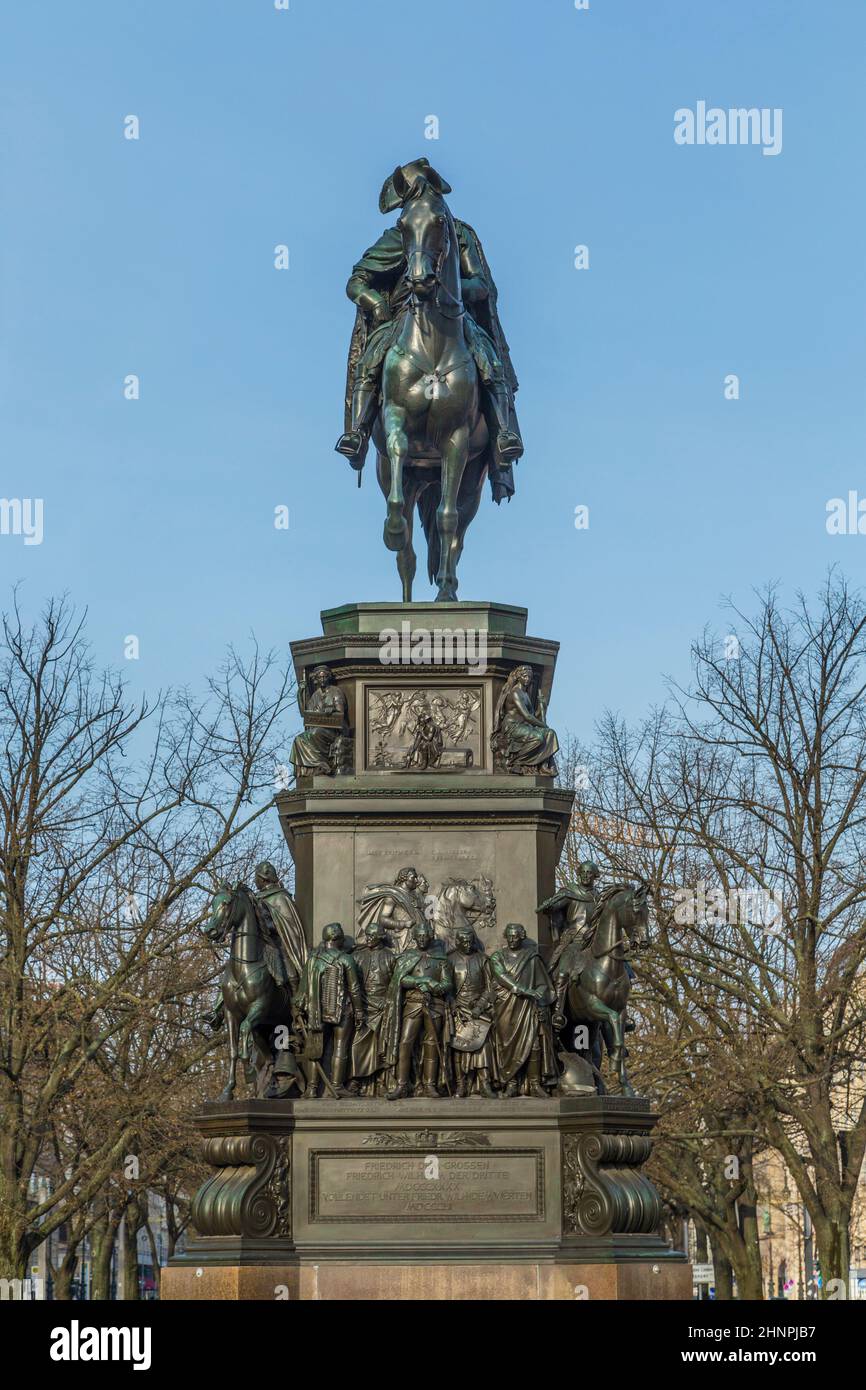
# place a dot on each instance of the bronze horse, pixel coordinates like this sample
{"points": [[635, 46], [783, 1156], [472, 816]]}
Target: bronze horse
{"points": [[254, 1003], [430, 434], [592, 982]]}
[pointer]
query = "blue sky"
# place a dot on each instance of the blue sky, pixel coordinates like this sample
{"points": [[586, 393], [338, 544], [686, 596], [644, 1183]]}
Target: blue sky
{"points": [[259, 127]]}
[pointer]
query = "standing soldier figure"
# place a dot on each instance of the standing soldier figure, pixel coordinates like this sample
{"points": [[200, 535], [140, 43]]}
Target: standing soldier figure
{"points": [[329, 1004], [472, 1043], [375, 963], [416, 1006]]}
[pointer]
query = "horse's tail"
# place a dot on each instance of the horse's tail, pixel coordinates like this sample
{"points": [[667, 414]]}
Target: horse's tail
{"points": [[428, 502]]}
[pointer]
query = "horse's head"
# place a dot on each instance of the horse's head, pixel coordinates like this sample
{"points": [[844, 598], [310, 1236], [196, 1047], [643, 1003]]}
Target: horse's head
{"points": [[426, 228], [635, 915], [484, 896], [223, 912]]}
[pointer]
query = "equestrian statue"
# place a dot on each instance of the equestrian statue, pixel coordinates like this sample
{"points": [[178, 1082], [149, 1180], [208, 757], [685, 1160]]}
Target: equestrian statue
{"points": [[429, 378]]}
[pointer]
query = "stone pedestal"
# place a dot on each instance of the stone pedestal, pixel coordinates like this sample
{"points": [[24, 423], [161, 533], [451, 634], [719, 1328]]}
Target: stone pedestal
{"points": [[463, 819], [441, 1198], [428, 1199]]}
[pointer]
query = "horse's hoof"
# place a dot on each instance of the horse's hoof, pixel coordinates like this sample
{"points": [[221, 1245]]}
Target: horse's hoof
{"points": [[396, 535], [447, 594], [226, 1094]]}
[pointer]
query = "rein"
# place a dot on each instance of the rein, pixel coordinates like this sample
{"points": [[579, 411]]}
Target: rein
{"points": [[238, 960], [415, 303]]}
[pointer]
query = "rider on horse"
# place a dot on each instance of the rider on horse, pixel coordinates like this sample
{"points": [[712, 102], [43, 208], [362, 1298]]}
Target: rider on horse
{"points": [[569, 911], [380, 289], [284, 945]]}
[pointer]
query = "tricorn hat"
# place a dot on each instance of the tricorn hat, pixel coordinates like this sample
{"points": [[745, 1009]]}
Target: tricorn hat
{"points": [[398, 185]]}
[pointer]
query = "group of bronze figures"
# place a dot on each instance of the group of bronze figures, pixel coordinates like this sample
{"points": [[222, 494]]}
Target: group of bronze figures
{"points": [[413, 1006], [521, 739]]}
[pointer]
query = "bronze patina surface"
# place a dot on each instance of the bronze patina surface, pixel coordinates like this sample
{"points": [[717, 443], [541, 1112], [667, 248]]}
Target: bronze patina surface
{"points": [[424, 1021]]}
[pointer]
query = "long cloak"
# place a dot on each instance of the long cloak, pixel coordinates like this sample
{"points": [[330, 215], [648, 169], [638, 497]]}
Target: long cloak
{"points": [[517, 1019], [288, 927]]}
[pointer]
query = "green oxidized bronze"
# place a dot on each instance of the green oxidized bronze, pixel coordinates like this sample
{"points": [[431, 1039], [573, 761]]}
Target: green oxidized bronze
{"points": [[325, 746], [266, 947], [522, 741], [422, 1092], [430, 378], [329, 1008], [592, 973]]}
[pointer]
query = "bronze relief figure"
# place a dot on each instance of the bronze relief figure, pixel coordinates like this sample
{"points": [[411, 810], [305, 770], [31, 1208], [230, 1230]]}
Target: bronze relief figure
{"points": [[325, 745], [521, 739]]}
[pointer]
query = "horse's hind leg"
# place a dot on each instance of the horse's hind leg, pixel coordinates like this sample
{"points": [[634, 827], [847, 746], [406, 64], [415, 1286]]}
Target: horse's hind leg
{"points": [[609, 1019], [614, 1039], [468, 502], [257, 1033]]}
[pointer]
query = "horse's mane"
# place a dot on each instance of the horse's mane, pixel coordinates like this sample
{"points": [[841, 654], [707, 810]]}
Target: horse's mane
{"points": [[602, 902]]}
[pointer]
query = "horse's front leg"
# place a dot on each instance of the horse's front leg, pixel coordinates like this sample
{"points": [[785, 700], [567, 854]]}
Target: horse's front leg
{"points": [[396, 534], [229, 1089], [454, 457]]}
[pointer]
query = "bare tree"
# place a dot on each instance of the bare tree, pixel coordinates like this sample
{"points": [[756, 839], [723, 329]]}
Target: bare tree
{"points": [[744, 803], [116, 821]]}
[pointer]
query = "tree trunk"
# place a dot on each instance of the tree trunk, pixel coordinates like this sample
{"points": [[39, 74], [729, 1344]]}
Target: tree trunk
{"points": [[64, 1274], [102, 1243], [833, 1249], [747, 1259], [131, 1284], [724, 1272], [16, 1246]]}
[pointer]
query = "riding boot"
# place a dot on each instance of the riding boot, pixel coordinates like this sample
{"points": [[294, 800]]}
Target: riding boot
{"points": [[508, 445], [484, 1085], [339, 1066], [353, 444], [533, 1074], [404, 1071], [429, 1071]]}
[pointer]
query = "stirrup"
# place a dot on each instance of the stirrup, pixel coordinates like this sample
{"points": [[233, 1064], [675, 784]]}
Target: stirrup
{"points": [[353, 446], [509, 446]]}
